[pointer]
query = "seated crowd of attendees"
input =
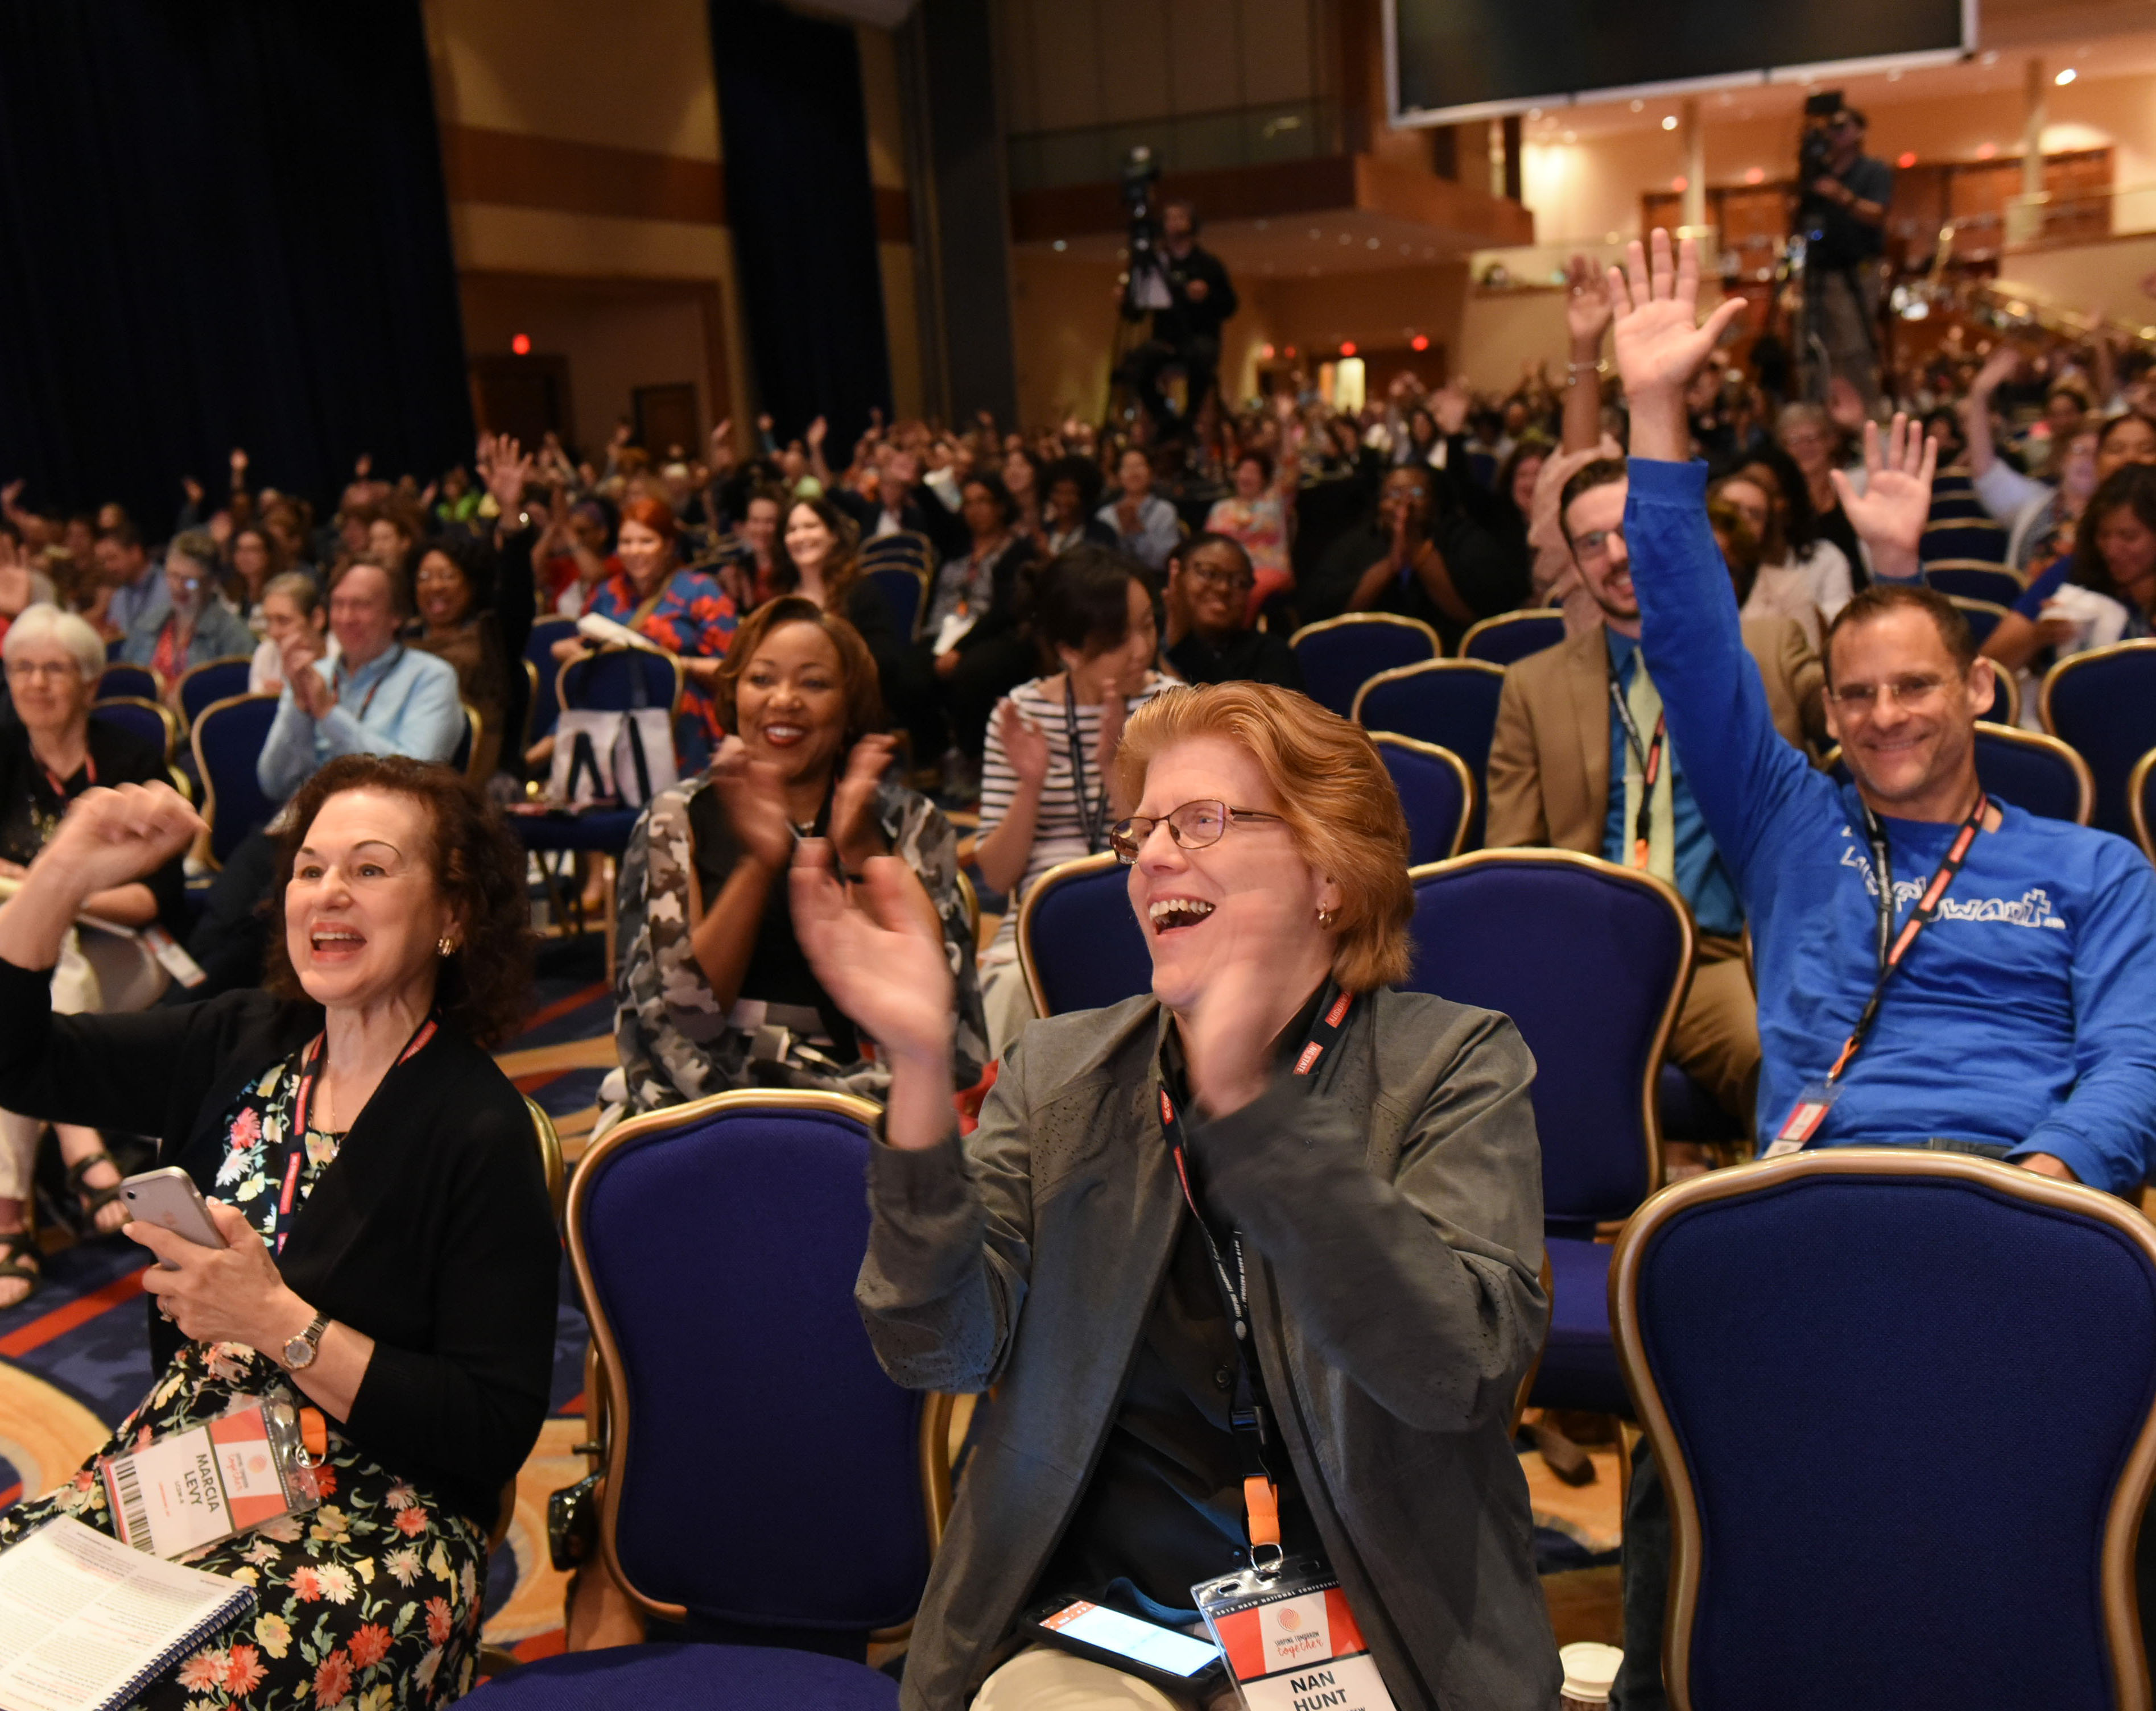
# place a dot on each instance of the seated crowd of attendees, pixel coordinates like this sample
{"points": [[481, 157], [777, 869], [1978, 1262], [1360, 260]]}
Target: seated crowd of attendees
{"points": [[1101, 662]]}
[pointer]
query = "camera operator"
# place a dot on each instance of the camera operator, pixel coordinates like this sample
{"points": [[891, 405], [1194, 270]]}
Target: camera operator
{"points": [[1189, 296], [1843, 219]]}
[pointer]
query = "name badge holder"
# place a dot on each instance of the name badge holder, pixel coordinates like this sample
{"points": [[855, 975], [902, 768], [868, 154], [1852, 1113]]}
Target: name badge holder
{"points": [[1818, 1096], [1283, 1625], [176, 1491]]}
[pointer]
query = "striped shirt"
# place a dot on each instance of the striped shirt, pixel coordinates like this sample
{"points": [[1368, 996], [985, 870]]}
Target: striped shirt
{"points": [[1059, 827]]}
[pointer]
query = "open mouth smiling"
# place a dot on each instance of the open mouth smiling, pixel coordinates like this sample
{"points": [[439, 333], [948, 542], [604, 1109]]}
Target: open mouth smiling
{"points": [[1168, 915]]}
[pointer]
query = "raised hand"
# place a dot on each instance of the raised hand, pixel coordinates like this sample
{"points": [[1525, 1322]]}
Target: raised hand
{"points": [[723, 456], [1586, 310], [1025, 746], [505, 468], [1448, 405], [1890, 515], [1998, 369], [816, 430], [755, 799], [853, 828], [109, 837], [193, 489], [879, 951], [1661, 342]]}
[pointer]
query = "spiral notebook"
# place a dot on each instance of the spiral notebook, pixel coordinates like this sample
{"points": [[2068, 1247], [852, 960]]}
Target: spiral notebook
{"points": [[86, 1623]]}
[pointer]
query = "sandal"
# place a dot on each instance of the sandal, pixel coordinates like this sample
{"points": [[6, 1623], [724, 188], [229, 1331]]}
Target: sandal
{"points": [[19, 1259], [92, 1200]]}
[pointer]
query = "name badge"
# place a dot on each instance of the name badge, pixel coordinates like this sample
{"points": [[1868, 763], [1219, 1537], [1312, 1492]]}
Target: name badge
{"points": [[189, 1488], [1804, 1120], [1290, 1641]]}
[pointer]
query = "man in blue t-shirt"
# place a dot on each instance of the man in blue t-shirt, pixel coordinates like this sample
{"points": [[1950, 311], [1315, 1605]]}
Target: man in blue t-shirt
{"points": [[2021, 1021]]}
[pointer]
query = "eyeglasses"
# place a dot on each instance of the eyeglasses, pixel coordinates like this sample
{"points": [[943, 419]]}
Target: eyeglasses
{"points": [[1195, 825], [1222, 579], [1595, 542], [27, 668], [1912, 690]]}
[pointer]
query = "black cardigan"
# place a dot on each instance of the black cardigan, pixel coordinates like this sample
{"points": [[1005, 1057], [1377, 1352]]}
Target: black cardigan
{"points": [[431, 1232]]}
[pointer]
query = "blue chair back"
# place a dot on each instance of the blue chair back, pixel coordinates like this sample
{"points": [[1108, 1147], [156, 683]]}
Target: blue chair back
{"points": [[907, 546], [1591, 961], [616, 679], [1450, 702], [1437, 794], [1978, 538], [1990, 583], [905, 590], [213, 680], [2035, 772], [716, 1246], [539, 651], [229, 738], [2141, 802], [1079, 943], [135, 682], [1956, 507], [460, 757], [1871, 1369], [2104, 702], [144, 719], [1983, 617], [1340, 654], [1512, 635]]}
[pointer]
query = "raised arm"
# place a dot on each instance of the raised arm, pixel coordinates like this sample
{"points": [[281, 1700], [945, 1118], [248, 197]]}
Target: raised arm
{"points": [[1889, 514], [1586, 317], [2003, 490], [1740, 769]]}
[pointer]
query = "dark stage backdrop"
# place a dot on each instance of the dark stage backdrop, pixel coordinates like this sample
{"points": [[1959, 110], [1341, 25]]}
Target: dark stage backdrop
{"points": [[222, 223], [802, 211]]}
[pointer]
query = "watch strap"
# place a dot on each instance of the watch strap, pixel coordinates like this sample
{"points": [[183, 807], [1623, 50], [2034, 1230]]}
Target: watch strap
{"points": [[312, 1337]]}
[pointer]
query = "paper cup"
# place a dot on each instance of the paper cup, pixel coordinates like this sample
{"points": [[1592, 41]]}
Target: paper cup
{"points": [[1589, 1670]]}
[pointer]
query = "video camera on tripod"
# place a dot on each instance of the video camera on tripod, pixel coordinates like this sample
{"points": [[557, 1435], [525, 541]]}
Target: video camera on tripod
{"points": [[1146, 288]]}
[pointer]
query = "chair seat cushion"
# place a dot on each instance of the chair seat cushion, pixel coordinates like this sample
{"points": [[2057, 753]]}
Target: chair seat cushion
{"points": [[1579, 1364], [691, 1678]]}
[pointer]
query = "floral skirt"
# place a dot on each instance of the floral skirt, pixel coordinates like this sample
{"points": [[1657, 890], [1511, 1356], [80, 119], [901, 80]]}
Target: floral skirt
{"points": [[370, 1602]]}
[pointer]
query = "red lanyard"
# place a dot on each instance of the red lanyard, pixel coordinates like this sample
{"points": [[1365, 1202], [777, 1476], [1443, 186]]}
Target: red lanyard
{"points": [[295, 1138], [1650, 768], [60, 784], [1248, 1416], [1892, 955], [375, 688]]}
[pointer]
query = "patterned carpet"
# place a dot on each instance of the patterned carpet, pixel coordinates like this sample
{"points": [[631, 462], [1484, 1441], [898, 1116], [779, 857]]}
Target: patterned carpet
{"points": [[74, 1360]]}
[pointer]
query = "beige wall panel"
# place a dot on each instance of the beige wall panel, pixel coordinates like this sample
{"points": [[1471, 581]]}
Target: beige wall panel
{"points": [[1204, 67], [1133, 48], [1277, 63], [1064, 324], [1065, 68], [634, 77], [880, 93], [902, 325]]}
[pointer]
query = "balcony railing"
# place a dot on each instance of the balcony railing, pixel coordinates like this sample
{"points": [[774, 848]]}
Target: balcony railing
{"points": [[1189, 142]]}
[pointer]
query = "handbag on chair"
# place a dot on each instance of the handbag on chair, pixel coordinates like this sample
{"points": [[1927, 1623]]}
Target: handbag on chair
{"points": [[625, 757]]}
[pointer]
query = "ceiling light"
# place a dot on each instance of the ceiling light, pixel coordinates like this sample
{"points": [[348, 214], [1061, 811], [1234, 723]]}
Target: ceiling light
{"points": [[1060, 245], [1373, 243], [2065, 77], [1669, 121], [1756, 176], [1534, 112], [1639, 107], [1907, 159]]}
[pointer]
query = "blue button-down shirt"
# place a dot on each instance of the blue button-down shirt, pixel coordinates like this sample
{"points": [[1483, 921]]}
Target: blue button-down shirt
{"points": [[1699, 875], [403, 701]]}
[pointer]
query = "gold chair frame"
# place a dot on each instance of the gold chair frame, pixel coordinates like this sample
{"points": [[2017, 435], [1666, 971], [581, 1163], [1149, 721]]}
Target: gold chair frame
{"points": [[209, 784], [1061, 874], [166, 717], [1536, 615], [604, 1387], [2137, 803], [1400, 674], [1438, 751], [2121, 1615]]}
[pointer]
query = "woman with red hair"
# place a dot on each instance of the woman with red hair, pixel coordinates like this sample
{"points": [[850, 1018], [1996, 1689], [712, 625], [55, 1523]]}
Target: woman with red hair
{"points": [[684, 611]]}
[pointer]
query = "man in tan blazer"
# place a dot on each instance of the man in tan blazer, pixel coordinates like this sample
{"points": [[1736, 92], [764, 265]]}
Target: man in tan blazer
{"points": [[1566, 772]]}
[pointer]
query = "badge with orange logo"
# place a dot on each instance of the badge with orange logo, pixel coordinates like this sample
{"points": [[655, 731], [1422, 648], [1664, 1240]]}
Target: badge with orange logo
{"points": [[1291, 1641]]}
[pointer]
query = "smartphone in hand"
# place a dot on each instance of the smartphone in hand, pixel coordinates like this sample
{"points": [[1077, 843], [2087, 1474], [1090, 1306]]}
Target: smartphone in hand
{"points": [[170, 1199]]}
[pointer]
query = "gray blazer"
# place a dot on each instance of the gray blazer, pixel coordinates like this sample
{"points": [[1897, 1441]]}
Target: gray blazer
{"points": [[1392, 1208]]}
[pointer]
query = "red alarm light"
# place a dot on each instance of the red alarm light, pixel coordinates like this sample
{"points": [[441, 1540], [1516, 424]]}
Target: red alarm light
{"points": [[522, 344]]}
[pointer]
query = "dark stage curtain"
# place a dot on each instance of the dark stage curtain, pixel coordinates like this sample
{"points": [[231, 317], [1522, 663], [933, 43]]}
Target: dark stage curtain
{"points": [[222, 223], [802, 211]]}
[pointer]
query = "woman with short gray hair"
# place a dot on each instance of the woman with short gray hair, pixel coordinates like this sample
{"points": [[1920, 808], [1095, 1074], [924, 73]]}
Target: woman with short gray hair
{"points": [[53, 753]]}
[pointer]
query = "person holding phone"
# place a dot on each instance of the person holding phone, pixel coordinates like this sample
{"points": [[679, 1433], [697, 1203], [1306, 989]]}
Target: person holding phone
{"points": [[1274, 1215], [389, 1257]]}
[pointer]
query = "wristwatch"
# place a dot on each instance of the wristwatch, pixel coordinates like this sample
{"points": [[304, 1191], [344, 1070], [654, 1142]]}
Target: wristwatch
{"points": [[299, 1351]]}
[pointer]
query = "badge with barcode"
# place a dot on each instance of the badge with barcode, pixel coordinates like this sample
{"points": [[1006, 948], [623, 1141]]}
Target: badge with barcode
{"points": [[181, 1490], [1291, 1641], [1804, 1120]]}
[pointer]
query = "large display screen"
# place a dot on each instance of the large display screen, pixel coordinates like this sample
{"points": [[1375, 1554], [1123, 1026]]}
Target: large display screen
{"points": [[1454, 59]]}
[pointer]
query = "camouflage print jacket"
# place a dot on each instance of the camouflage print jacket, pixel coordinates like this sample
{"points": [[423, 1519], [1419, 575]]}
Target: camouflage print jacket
{"points": [[674, 1038]]}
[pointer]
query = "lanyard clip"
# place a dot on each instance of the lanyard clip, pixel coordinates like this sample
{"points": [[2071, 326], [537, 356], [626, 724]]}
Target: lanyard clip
{"points": [[1262, 1500]]}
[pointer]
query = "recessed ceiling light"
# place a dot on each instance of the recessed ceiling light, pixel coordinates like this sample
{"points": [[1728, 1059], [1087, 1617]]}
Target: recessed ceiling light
{"points": [[1373, 243], [2065, 77], [1060, 245], [1639, 107], [1669, 121]]}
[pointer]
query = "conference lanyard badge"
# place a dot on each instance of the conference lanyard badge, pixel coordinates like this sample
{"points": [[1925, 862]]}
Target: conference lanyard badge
{"points": [[176, 1491], [1290, 1640], [1804, 1120]]}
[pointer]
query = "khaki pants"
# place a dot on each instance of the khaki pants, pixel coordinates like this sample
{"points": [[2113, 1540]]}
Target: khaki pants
{"points": [[1041, 1678], [1849, 326], [1716, 1038]]}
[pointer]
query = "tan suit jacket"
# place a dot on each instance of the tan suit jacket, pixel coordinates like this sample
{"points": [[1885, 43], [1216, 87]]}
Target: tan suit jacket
{"points": [[1549, 760]]}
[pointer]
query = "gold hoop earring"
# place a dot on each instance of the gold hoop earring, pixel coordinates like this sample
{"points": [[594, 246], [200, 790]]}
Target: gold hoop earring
{"points": [[443, 947]]}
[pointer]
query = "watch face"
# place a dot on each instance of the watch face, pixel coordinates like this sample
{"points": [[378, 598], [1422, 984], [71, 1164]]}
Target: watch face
{"points": [[299, 1352]]}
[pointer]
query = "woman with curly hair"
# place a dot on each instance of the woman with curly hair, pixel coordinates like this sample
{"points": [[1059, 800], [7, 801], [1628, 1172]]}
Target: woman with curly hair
{"points": [[390, 1259]]}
